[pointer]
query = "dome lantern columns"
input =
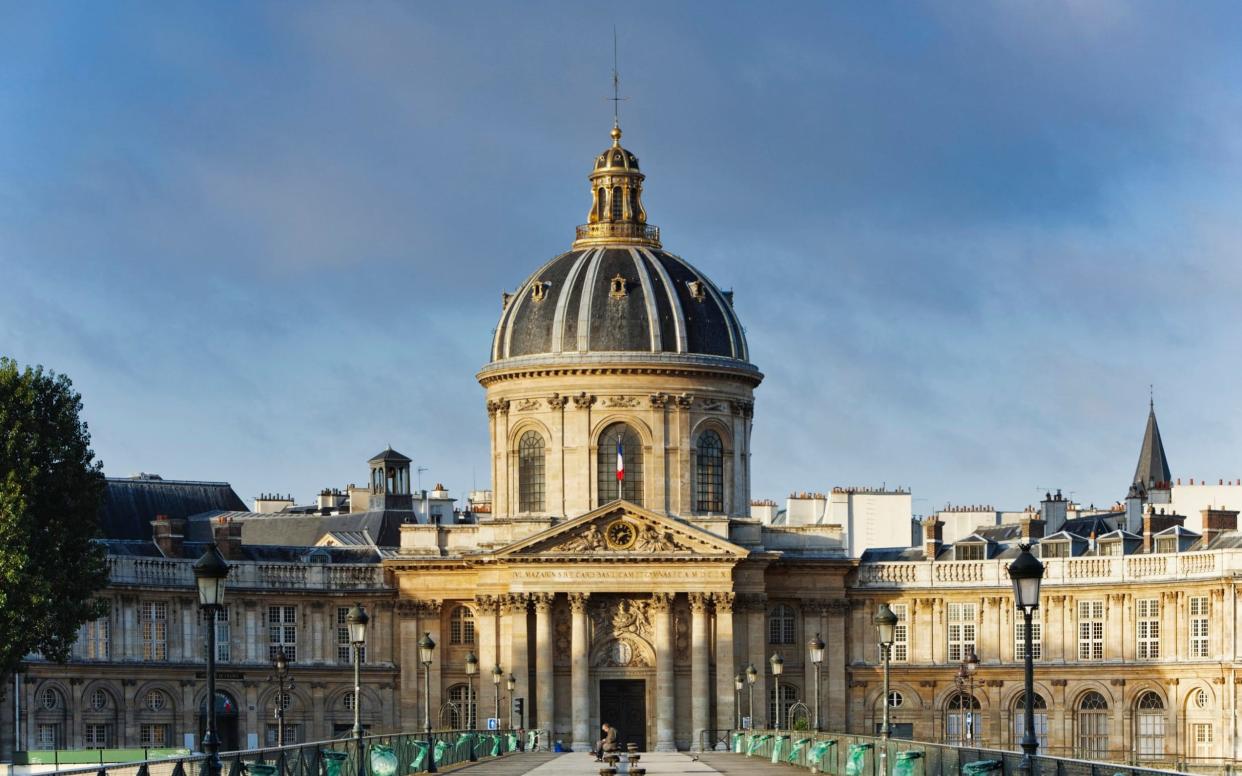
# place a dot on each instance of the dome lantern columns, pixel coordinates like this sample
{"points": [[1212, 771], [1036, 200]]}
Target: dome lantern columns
{"points": [[617, 214]]}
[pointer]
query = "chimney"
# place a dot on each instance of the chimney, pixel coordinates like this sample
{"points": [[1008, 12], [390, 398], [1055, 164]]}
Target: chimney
{"points": [[933, 536], [227, 535], [1053, 511], [1032, 528], [168, 534], [1155, 523], [1217, 522], [1134, 510]]}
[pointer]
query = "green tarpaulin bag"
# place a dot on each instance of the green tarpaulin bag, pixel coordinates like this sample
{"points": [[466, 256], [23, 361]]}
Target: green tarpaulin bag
{"points": [[420, 759], [495, 749], [260, 769], [332, 761], [437, 754], [819, 750], [981, 766], [513, 742], [532, 738], [755, 743], [777, 746], [798, 746], [737, 743], [383, 760], [908, 764], [857, 759]]}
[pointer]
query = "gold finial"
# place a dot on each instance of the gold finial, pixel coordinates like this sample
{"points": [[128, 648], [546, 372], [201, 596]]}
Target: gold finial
{"points": [[616, 136]]}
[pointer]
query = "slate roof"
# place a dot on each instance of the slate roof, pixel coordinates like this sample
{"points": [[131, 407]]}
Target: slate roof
{"points": [[254, 552], [390, 456], [1153, 467], [131, 504], [297, 530]]}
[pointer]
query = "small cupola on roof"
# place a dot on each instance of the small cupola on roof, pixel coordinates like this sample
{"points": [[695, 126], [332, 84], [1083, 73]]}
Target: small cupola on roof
{"points": [[617, 214]]}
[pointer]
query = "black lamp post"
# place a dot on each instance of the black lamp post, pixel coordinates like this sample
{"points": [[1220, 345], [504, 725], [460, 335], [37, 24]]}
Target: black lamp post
{"points": [[886, 626], [1027, 572], [738, 681], [210, 572], [426, 649], [472, 668], [357, 620], [816, 648], [284, 683], [778, 667], [510, 685], [752, 676], [497, 675], [965, 681]]}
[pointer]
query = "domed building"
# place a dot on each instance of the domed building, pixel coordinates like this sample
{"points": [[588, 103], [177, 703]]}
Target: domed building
{"points": [[619, 371]]}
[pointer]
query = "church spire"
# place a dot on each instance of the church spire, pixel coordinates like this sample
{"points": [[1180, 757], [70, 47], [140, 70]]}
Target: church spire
{"points": [[1153, 466]]}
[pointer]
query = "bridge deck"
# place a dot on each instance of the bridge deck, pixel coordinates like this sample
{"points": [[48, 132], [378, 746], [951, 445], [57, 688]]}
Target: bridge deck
{"points": [[656, 763]]}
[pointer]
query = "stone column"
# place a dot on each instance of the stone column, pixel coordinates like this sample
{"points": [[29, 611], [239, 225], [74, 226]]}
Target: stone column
{"points": [[756, 643], [489, 652], [659, 449], [544, 663], [580, 668], [519, 657], [662, 606], [700, 697], [726, 711], [836, 658]]}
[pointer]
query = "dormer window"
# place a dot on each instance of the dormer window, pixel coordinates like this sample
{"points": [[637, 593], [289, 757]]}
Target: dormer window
{"points": [[970, 552], [1111, 548], [539, 290], [319, 557], [618, 287], [1166, 544], [1054, 550]]}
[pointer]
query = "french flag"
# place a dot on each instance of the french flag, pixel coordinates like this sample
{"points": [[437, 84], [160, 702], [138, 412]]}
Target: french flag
{"points": [[620, 461]]}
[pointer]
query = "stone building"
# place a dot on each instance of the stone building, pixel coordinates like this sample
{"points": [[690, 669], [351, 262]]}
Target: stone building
{"points": [[618, 573]]}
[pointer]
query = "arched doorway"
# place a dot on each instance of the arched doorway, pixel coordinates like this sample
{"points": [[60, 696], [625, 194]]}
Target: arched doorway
{"points": [[226, 721], [960, 720]]}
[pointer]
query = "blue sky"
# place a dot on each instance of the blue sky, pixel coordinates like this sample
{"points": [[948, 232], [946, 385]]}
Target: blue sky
{"points": [[267, 239]]}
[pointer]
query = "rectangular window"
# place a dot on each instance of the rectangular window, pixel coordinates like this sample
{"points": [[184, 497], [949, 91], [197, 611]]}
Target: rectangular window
{"points": [[282, 629], [48, 736], [961, 630], [969, 552], [1054, 550], [1090, 630], [1201, 732], [901, 634], [154, 630], [96, 637], [98, 736], [1110, 548], [293, 734], [1147, 611], [344, 647], [153, 735], [1019, 635], [223, 647], [1199, 626], [1166, 544]]}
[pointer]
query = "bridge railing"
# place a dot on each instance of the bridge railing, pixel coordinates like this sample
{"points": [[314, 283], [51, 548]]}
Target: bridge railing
{"points": [[847, 754], [395, 754]]}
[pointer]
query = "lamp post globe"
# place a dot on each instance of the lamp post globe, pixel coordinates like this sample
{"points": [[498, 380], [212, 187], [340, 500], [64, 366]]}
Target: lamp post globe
{"points": [[510, 685], [472, 668], [816, 649], [885, 621], [284, 683], [1026, 572], [426, 653], [356, 620], [739, 681], [497, 675], [752, 676], [778, 667], [210, 572]]}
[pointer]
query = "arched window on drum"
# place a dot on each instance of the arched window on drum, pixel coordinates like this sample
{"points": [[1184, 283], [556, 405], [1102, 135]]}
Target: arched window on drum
{"points": [[531, 458], [620, 469], [709, 473]]}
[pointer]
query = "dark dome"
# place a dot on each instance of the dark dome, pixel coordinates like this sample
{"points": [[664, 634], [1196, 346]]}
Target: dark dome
{"points": [[616, 299]]}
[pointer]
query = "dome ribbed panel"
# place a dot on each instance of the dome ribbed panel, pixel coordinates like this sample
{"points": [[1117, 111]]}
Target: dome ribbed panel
{"points": [[708, 329], [618, 323]]}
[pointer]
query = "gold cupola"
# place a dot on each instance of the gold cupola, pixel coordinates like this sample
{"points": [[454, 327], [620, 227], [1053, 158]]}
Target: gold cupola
{"points": [[617, 215]]}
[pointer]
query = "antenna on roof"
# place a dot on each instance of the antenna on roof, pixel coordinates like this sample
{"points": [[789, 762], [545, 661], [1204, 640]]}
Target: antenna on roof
{"points": [[616, 83], [421, 469]]}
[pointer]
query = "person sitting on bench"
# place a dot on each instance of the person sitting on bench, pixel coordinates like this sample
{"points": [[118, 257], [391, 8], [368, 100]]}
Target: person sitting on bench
{"points": [[606, 744]]}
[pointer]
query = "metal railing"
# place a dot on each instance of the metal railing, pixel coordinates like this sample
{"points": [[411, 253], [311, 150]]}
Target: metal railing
{"points": [[832, 753], [618, 230], [406, 752]]}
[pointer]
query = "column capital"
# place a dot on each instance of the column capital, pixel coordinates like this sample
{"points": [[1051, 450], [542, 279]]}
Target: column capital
{"points": [[543, 601], [724, 602], [699, 602], [488, 604], [578, 602], [514, 603], [661, 602]]}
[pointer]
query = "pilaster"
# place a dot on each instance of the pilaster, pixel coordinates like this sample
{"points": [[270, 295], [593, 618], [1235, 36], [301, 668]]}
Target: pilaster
{"points": [[700, 686], [662, 625], [544, 710], [580, 668], [726, 711]]}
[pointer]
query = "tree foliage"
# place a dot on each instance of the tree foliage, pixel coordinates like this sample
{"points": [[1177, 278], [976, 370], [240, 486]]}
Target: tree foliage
{"points": [[51, 487]]}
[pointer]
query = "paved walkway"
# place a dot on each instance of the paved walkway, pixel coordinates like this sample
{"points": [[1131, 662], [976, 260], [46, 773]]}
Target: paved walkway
{"points": [[656, 763]]}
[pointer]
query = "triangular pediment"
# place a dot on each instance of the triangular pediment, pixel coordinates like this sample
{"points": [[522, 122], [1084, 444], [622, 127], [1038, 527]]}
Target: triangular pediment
{"points": [[626, 530]]}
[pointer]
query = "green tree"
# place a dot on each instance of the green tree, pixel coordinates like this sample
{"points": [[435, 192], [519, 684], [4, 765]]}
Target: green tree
{"points": [[51, 487]]}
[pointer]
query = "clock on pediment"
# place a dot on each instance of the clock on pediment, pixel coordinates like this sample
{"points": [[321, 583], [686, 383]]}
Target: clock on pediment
{"points": [[621, 534]]}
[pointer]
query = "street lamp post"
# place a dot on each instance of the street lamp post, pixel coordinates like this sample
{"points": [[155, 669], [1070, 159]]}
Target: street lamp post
{"points": [[886, 625], [209, 572], [357, 620], [497, 675], [778, 667], [284, 683], [966, 703], [1027, 572], [816, 647], [510, 685], [752, 676], [738, 681], [426, 649], [472, 668]]}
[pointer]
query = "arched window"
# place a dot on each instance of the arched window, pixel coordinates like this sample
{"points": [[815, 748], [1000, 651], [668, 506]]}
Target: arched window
{"points": [[617, 203], [1149, 725], [100, 699], [781, 625], [459, 709], [601, 198], [634, 204], [1092, 727], [50, 698], [960, 718], [461, 626], [788, 697], [709, 474], [530, 472], [1041, 720], [620, 441]]}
